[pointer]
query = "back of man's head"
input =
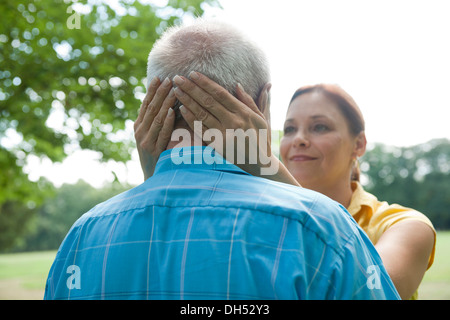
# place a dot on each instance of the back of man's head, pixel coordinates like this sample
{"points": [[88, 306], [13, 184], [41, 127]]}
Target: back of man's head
{"points": [[216, 49]]}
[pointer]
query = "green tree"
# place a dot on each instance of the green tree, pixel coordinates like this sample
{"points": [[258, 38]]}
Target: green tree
{"points": [[417, 177], [53, 219], [71, 76]]}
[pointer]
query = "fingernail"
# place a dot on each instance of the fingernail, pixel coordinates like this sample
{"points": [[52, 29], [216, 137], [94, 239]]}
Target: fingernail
{"points": [[171, 93], [154, 82], [241, 87], [166, 82], [178, 80], [194, 75], [182, 109], [170, 111]]}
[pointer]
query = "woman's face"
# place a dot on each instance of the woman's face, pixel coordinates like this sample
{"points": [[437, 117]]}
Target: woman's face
{"points": [[317, 147]]}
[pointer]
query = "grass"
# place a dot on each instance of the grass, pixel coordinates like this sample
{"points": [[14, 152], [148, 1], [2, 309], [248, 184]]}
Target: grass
{"points": [[436, 282], [23, 275]]}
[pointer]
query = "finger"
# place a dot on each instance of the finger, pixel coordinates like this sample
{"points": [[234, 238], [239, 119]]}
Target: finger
{"points": [[246, 99], [199, 113], [155, 104], [190, 119], [203, 98], [159, 120], [154, 84], [264, 102], [263, 99], [219, 93], [151, 91], [166, 131]]}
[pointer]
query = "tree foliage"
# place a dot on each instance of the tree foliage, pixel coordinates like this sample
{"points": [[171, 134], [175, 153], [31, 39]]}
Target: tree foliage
{"points": [[416, 177], [54, 218], [72, 76]]}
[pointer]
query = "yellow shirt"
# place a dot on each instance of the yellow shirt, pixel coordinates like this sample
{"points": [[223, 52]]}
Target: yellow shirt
{"points": [[375, 217]]}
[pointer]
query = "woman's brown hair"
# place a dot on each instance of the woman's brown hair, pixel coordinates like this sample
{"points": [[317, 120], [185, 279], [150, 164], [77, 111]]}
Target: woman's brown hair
{"points": [[347, 106]]}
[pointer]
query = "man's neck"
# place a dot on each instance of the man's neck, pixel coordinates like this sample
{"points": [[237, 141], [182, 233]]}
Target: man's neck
{"points": [[182, 137]]}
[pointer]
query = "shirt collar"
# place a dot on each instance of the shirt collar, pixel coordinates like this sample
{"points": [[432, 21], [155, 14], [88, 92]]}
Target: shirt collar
{"points": [[361, 198], [194, 158]]}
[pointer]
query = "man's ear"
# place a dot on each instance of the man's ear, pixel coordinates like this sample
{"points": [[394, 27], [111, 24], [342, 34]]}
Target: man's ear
{"points": [[263, 102]]}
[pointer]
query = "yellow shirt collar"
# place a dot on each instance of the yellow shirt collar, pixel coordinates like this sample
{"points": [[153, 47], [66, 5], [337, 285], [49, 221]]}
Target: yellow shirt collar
{"points": [[361, 198]]}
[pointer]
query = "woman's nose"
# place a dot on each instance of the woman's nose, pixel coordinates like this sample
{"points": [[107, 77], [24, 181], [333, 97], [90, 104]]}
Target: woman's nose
{"points": [[301, 139]]}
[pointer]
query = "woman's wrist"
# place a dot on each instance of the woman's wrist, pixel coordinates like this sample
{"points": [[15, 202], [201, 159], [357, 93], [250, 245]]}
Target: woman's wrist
{"points": [[274, 170], [282, 174]]}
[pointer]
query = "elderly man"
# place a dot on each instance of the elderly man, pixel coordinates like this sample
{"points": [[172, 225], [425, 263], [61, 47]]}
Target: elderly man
{"points": [[202, 228]]}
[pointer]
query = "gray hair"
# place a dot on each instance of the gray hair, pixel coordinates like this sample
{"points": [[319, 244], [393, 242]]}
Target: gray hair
{"points": [[213, 48]]}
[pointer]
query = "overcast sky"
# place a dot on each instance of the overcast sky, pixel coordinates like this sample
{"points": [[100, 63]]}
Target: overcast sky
{"points": [[392, 56]]}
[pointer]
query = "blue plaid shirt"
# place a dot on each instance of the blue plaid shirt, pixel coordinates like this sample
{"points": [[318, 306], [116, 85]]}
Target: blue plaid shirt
{"points": [[212, 231]]}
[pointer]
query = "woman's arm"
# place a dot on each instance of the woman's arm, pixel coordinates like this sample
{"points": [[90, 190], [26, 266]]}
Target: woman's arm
{"points": [[405, 249]]}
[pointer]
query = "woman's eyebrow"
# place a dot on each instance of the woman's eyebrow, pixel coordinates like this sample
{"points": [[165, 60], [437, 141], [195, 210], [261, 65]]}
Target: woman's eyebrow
{"points": [[318, 116]]}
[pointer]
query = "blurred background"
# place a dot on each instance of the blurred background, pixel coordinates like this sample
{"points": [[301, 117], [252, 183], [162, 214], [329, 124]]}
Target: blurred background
{"points": [[72, 78]]}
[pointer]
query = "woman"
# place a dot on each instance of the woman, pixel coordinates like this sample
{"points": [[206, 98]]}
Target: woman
{"points": [[323, 137]]}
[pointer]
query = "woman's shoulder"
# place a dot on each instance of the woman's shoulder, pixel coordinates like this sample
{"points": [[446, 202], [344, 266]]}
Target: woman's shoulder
{"points": [[392, 213], [380, 209], [375, 215]]}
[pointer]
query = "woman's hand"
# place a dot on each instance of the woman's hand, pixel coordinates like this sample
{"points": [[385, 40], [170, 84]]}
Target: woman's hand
{"points": [[206, 101], [154, 124]]}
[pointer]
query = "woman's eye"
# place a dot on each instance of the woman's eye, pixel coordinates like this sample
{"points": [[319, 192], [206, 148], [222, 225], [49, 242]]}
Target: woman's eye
{"points": [[288, 130], [320, 128]]}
